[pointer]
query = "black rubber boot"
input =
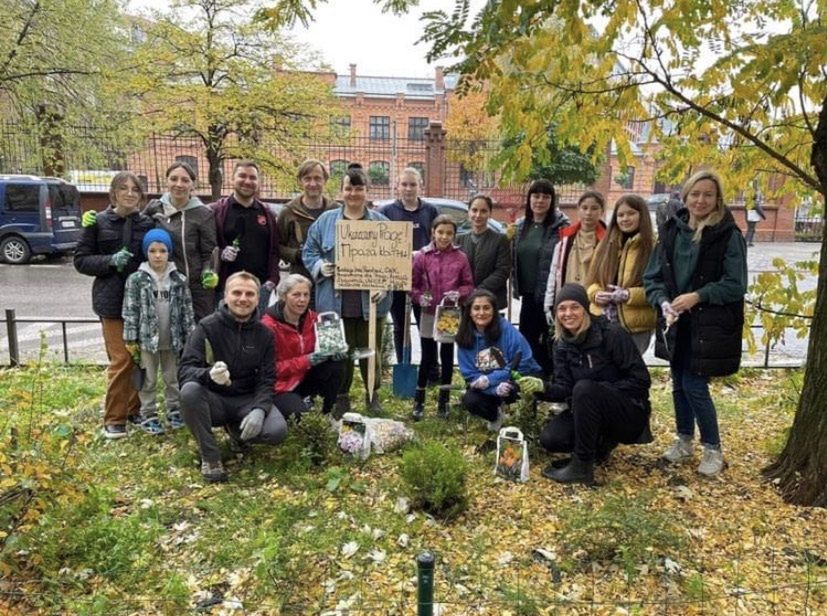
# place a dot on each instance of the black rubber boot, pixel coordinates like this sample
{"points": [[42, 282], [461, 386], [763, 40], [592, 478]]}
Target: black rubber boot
{"points": [[576, 471], [444, 404], [419, 404]]}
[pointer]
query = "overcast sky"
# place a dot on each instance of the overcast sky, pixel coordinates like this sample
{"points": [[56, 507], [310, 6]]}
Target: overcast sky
{"points": [[356, 32]]}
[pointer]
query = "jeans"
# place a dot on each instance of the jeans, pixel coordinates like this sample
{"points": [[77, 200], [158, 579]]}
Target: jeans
{"points": [[690, 395]]}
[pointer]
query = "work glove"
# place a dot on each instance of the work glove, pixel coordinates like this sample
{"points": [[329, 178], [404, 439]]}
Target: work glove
{"points": [[550, 318], [230, 253], [531, 384], [378, 296], [619, 294], [328, 269], [220, 374], [209, 279], [669, 313], [89, 219], [268, 286], [120, 259], [425, 300], [452, 296], [338, 356], [504, 389], [601, 298], [134, 350], [316, 358], [251, 424], [481, 382]]}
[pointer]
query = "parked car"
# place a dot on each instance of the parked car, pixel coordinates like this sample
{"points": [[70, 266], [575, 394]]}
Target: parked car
{"points": [[456, 210], [38, 215]]}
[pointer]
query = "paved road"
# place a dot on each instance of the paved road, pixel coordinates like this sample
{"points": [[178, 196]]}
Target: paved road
{"points": [[54, 290]]}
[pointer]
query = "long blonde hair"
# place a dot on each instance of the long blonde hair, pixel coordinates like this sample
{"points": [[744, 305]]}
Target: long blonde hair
{"points": [[717, 214]]}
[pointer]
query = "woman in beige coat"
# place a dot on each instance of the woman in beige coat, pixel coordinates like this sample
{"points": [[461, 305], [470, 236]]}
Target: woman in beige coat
{"points": [[615, 282]]}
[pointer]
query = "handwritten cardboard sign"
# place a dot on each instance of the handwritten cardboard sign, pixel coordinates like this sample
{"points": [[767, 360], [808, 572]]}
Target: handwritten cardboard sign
{"points": [[373, 255]]}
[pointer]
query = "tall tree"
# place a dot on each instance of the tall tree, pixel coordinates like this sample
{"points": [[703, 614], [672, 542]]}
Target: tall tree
{"points": [[739, 86], [207, 69]]}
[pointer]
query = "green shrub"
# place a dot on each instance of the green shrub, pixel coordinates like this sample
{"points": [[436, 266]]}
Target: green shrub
{"points": [[434, 475], [623, 530], [314, 438]]}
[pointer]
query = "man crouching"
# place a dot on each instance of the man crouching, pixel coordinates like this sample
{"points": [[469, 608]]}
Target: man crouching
{"points": [[226, 376]]}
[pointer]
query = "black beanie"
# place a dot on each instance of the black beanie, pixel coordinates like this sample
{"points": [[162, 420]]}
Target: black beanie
{"points": [[572, 291]]}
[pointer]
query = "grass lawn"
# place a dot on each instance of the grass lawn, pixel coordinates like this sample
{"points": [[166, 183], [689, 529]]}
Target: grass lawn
{"points": [[89, 526]]}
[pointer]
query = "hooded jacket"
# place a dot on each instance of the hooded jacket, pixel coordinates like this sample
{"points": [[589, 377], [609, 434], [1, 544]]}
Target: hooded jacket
{"points": [[291, 347], [140, 314], [192, 229], [422, 219], [439, 272], [97, 244], [245, 346], [476, 361]]}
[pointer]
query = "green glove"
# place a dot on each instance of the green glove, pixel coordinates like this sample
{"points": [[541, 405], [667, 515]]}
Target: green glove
{"points": [[209, 279], [120, 259], [89, 219], [134, 350], [531, 384]]}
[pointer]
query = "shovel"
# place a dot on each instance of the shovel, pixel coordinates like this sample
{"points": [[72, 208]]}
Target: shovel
{"points": [[404, 374]]}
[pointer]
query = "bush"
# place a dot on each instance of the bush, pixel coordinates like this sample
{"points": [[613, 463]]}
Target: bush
{"points": [[623, 530], [434, 474], [315, 439]]}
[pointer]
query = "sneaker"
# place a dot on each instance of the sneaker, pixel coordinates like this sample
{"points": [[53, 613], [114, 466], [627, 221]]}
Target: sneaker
{"points": [[679, 451], [213, 472], [114, 431], [152, 426], [712, 462], [175, 420], [134, 419]]}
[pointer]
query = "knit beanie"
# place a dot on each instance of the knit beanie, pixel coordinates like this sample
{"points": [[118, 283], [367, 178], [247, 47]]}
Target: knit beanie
{"points": [[572, 291], [157, 235]]}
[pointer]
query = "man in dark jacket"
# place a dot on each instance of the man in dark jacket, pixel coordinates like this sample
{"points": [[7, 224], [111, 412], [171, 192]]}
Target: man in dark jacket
{"points": [[246, 232], [409, 208], [227, 374]]}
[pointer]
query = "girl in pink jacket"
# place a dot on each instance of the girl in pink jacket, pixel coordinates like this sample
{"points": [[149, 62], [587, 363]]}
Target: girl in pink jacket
{"points": [[440, 271]]}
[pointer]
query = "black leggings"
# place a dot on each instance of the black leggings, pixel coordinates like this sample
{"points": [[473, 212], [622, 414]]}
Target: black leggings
{"points": [[446, 361], [598, 410], [323, 380]]}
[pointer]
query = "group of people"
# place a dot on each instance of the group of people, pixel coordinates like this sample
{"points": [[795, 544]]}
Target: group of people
{"points": [[591, 297]]}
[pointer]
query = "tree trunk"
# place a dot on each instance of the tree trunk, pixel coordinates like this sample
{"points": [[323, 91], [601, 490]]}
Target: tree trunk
{"points": [[801, 469], [215, 142]]}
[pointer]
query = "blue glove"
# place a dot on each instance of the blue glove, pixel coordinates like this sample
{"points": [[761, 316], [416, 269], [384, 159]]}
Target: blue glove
{"points": [[120, 259], [251, 425], [317, 358]]}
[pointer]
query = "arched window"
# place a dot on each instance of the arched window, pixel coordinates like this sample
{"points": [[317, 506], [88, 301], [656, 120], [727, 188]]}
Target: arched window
{"points": [[379, 172]]}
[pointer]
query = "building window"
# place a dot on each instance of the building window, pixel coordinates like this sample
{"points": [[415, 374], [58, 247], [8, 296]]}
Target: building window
{"points": [[340, 126], [416, 128], [419, 166], [626, 179], [380, 127], [189, 160], [338, 168], [379, 172]]}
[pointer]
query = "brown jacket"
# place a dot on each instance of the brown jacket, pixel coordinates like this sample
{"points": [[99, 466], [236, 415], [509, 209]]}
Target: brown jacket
{"points": [[293, 222]]}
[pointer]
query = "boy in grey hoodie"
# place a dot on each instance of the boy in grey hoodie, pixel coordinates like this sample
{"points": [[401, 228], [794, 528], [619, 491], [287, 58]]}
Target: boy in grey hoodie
{"points": [[158, 317]]}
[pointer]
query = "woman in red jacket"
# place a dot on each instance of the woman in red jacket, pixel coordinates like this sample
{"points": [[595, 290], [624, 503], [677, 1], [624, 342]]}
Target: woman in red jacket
{"points": [[440, 271], [300, 371]]}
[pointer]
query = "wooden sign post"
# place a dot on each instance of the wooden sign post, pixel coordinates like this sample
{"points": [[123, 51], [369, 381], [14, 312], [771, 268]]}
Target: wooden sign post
{"points": [[375, 256]]}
